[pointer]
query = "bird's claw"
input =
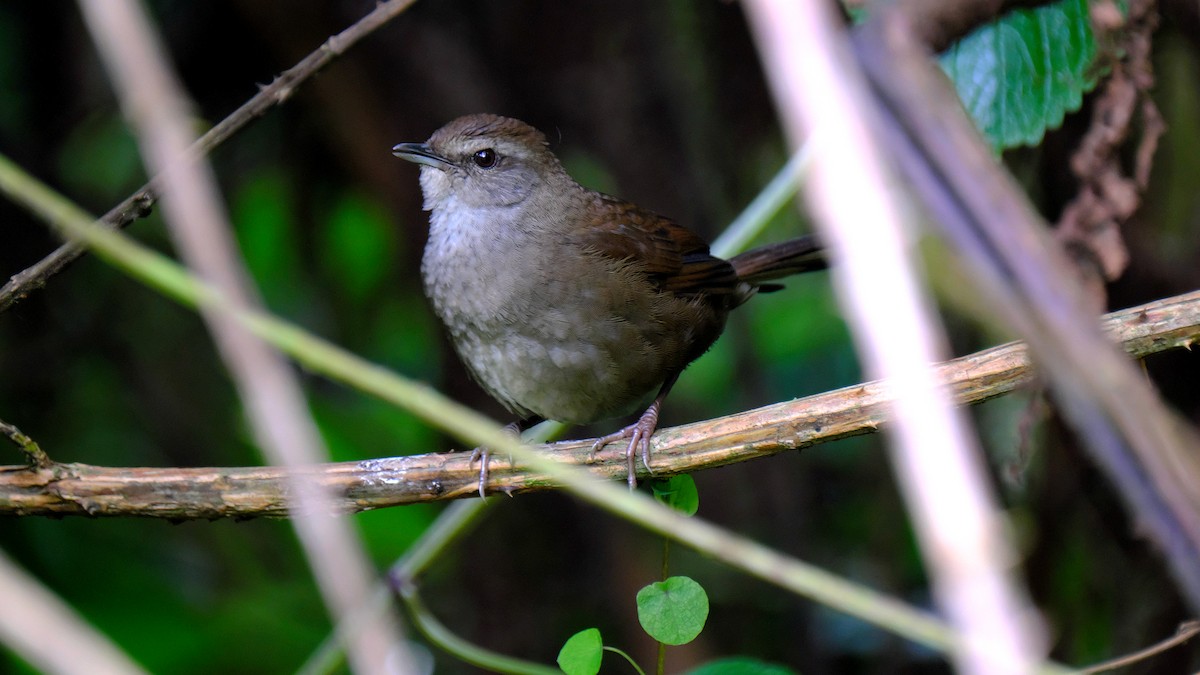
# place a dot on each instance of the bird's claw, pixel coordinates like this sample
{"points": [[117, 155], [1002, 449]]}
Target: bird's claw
{"points": [[484, 457], [639, 434]]}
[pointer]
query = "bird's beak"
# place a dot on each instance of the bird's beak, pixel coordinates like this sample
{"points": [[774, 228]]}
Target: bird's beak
{"points": [[420, 153]]}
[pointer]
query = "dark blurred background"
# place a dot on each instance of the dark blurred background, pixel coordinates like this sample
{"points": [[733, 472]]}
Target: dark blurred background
{"points": [[660, 103]]}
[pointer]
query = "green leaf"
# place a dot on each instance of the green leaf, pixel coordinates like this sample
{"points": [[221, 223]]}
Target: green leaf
{"points": [[678, 492], [673, 611], [1020, 75], [741, 665], [580, 654], [357, 245]]}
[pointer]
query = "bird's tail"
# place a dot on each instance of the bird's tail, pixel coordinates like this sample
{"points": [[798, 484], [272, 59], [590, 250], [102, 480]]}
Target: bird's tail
{"points": [[775, 261]]}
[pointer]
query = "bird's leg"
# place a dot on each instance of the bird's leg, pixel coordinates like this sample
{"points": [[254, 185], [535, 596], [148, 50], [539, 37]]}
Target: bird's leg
{"points": [[484, 456], [638, 433]]}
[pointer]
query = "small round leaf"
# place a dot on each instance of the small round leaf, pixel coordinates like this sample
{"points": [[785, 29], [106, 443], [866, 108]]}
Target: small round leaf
{"points": [[581, 653], [678, 492], [673, 611]]}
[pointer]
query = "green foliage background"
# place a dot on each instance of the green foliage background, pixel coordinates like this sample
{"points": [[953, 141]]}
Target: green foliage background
{"points": [[661, 103]]}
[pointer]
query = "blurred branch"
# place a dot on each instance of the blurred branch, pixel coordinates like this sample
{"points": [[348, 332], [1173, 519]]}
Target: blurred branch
{"points": [[1186, 631], [242, 492], [870, 229], [441, 636], [49, 634], [452, 524], [138, 204], [1028, 283], [157, 108]]}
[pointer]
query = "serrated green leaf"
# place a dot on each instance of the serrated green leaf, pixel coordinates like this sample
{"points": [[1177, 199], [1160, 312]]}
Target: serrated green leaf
{"points": [[581, 653], [1019, 76], [678, 492], [741, 665], [673, 611]]}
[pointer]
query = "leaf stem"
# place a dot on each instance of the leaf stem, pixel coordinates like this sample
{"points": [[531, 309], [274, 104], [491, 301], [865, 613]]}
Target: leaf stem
{"points": [[438, 634], [627, 658]]}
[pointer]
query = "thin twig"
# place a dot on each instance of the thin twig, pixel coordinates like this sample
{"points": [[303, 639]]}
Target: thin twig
{"points": [[37, 457], [138, 204], [438, 634], [1186, 631], [206, 493]]}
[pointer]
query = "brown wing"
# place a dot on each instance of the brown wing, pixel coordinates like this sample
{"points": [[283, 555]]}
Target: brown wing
{"points": [[676, 258]]}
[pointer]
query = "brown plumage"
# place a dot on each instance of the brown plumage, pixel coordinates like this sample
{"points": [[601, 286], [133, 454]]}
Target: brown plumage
{"points": [[565, 303]]}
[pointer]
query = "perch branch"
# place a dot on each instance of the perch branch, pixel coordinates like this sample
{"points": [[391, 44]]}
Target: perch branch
{"points": [[245, 492], [138, 204]]}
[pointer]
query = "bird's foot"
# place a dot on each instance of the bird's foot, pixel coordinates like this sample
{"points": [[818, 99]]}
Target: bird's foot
{"points": [[483, 455], [639, 434]]}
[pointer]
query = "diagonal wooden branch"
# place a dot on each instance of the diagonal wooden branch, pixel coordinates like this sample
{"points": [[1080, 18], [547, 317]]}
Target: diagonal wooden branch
{"points": [[244, 492], [138, 204]]}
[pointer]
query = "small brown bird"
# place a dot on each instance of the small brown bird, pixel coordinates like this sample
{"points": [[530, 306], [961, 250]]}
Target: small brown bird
{"points": [[565, 303]]}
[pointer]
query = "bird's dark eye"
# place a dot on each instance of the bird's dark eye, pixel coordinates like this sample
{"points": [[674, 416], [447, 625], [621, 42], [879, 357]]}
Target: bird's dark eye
{"points": [[485, 158]]}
